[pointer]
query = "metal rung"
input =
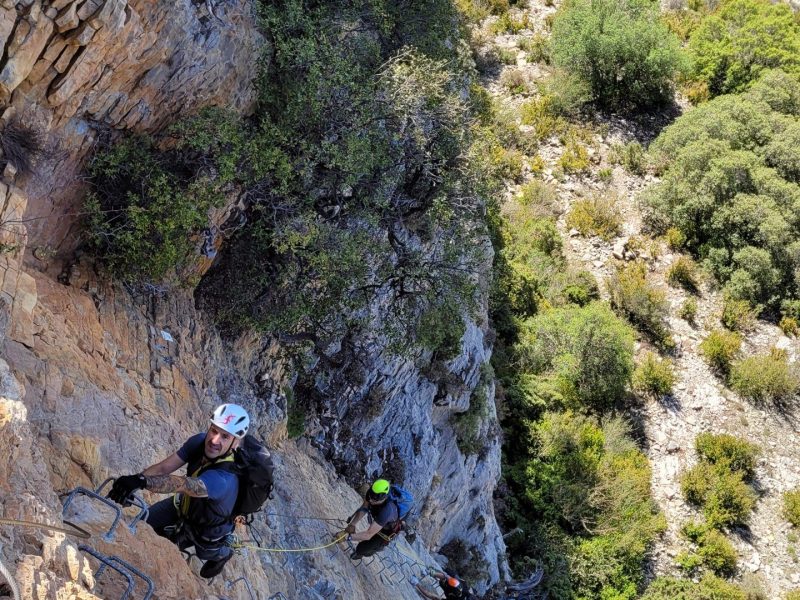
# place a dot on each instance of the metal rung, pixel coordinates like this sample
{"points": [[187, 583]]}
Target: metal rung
{"points": [[97, 495], [106, 561], [144, 509], [81, 491], [249, 587], [117, 560]]}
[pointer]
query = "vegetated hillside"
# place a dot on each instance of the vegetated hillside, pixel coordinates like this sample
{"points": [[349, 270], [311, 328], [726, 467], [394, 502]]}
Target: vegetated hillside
{"points": [[326, 215], [616, 478]]}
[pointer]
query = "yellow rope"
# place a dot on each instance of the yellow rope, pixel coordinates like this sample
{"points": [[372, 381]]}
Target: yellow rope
{"points": [[258, 549], [76, 531]]}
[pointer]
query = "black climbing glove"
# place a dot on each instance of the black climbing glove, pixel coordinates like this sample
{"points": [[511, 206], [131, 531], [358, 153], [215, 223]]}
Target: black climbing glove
{"points": [[125, 486]]}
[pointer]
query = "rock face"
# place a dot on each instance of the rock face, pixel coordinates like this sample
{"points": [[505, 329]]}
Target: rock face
{"points": [[397, 419], [94, 387], [95, 382], [74, 69]]}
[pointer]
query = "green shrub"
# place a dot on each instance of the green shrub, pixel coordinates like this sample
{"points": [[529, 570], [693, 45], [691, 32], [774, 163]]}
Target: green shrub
{"points": [[645, 306], [688, 310], [683, 272], [718, 483], [541, 196], [732, 46], [606, 174], [789, 326], [515, 81], [537, 48], [508, 23], [575, 157], [619, 47], [654, 376], [713, 550], [330, 190], [598, 481], [583, 354], [720, 348], [507, 57], [630, 155], [738, 315], [295, 415], [506, 163], [791, 507], [477, 10], [766, 378], [725, 193], [468, 425], [441, 330], [710, 587], [681, 22], [568, 93], [596, 215], [793, 595], [727, 451], [142, 218], [540, 114], [689, 561], [729, 502], [675, 238], [790, 317], [791, 309], [723, 495]]}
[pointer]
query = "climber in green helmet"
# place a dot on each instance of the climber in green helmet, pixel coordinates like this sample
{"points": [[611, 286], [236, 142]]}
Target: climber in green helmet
{"points": [[385, 516]]}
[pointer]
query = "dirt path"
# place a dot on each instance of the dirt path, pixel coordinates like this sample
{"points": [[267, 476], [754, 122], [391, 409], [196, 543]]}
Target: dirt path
{"points": [[768, 549]]}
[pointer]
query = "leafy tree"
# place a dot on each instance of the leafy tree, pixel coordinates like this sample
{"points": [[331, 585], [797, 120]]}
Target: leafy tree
{"points": [[585, 355], [379, 183], [734, 45], [596, 481], [620, 48], [729, 188], [143, 215]]}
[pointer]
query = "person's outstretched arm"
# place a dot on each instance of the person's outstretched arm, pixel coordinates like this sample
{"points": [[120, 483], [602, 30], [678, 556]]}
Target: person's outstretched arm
{"points": [[356, 517], [367, 534], [158, 478]]}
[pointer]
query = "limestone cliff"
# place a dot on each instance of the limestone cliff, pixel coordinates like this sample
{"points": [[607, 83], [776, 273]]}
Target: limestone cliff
{"points": [[76, 68], [96, 382]]}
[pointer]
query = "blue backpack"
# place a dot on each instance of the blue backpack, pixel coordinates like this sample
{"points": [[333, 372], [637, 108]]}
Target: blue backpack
{"points": [[403, 499]]}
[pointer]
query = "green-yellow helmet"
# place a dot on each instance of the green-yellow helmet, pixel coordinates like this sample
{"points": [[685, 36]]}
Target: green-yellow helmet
{"points": [[380, 487]]}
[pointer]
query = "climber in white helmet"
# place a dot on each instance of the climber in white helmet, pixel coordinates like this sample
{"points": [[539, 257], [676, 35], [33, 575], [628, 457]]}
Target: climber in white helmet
{"points": [[201, 514]]}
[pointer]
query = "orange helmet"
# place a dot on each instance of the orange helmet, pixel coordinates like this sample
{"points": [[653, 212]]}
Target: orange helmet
{"points": [[453, 582]]}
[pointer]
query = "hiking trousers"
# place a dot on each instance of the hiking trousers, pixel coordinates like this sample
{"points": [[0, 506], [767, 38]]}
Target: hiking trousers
{"points": [[163, 516], [371, 546]]}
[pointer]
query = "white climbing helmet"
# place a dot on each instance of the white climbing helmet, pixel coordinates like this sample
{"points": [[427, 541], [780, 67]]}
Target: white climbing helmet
{"points": [[231, 418]]}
